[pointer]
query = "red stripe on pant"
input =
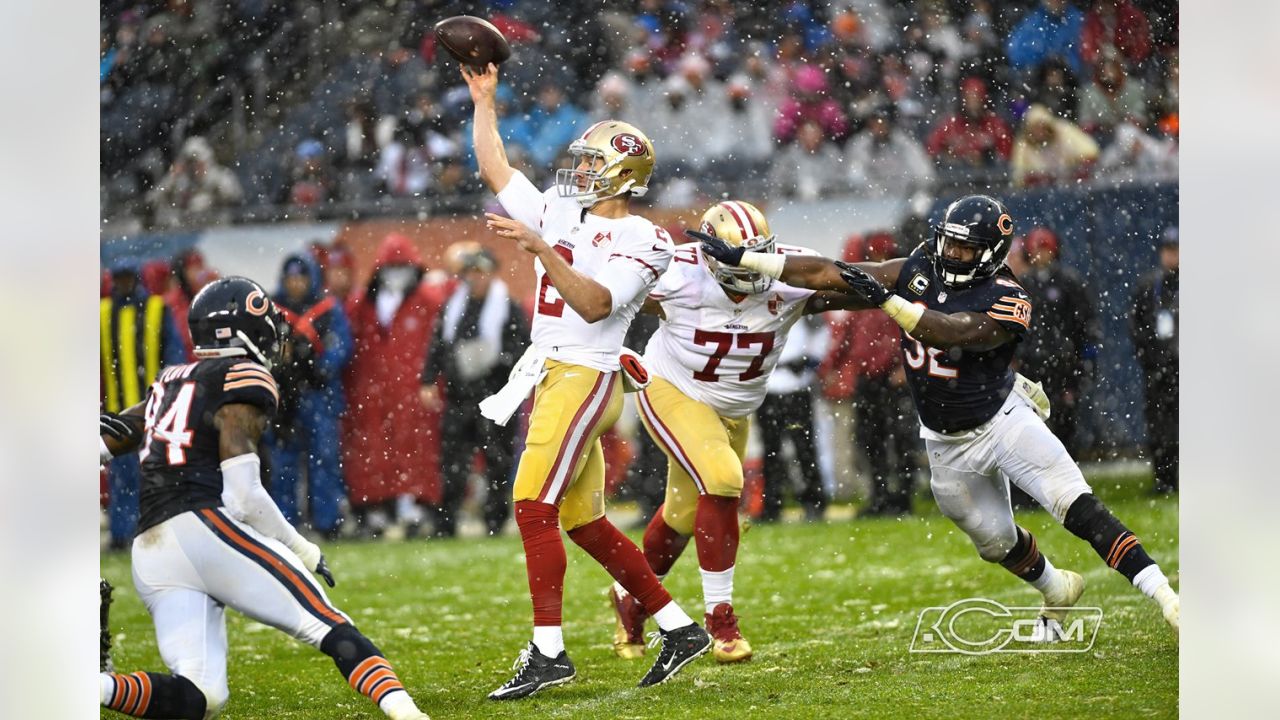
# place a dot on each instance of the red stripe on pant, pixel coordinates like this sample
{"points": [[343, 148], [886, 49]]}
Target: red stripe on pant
{"points": [[570, 448], [668, 441]]}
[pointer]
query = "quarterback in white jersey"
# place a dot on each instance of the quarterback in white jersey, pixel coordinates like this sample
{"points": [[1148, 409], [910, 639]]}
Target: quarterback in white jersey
{"points": [[722, 332], [595, 264]]}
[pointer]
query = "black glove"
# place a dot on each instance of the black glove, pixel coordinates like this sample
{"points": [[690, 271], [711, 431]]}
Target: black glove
{"points": [[717, 248], [323, 571], [863, 284], [116, 426]]}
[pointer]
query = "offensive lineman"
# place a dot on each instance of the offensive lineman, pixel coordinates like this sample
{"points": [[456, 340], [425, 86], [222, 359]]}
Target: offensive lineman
{"points": [[210, 536], [722, 332], [962, 312], [595, 264]]}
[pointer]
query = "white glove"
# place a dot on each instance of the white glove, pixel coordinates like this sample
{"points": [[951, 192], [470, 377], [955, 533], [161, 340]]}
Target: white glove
{"points": [[1032, 392]]}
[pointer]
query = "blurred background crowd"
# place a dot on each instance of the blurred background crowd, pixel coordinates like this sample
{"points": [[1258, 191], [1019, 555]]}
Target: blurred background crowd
{"points": [[240, 110], [239, 113]]}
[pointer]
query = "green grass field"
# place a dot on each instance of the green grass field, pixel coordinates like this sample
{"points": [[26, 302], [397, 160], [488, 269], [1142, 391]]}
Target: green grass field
{"points": [[830, 609]]}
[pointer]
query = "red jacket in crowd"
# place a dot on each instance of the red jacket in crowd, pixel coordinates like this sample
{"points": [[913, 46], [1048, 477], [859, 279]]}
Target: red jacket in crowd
{"points": [[392, 442], [971, 139], [1117, 23]]}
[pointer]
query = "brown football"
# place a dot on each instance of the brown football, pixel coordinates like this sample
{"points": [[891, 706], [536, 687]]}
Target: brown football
{"points": [[472, 40]]}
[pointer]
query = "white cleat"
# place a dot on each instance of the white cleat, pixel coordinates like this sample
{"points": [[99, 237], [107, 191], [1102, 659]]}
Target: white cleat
{"points": [[1059, 600], [1170, 606]]}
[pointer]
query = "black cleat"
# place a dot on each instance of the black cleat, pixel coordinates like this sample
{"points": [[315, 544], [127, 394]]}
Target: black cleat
{"points": [[536, 671], [104, 634], [679, 647]]}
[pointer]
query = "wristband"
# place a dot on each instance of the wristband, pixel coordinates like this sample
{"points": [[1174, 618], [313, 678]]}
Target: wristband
{"points": [[770, 264], [906, 314]]}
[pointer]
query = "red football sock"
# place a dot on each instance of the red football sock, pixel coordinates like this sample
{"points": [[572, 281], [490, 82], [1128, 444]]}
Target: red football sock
{"points": [[623, 560], [662, 544], [715, 525], [544, 559]]}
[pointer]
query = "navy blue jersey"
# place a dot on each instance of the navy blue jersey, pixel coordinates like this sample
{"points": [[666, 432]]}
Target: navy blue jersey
{"points": [[181, 463], [956, 389]]}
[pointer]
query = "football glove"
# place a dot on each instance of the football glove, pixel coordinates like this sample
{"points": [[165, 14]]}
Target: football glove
{"points": [[323, 571], [717, 248], [863, 284], [117, 427]]}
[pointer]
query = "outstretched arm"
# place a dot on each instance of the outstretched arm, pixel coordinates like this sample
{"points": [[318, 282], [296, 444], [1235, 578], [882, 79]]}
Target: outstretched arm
{"points": [[240, 427], [491, 156]]}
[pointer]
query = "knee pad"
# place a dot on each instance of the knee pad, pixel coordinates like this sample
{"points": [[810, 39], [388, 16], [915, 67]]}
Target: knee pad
{"points": [[994, 547]]}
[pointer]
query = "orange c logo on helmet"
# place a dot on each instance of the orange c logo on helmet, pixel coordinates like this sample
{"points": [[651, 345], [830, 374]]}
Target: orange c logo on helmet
{"points": [[1005, 223], [257, 303]]}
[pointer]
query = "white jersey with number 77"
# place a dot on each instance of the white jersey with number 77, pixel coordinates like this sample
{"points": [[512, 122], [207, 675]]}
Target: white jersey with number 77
{"points": [[713, 349]]}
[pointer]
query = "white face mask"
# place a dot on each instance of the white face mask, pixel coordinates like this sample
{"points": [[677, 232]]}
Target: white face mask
{"points": [[399, 277]]}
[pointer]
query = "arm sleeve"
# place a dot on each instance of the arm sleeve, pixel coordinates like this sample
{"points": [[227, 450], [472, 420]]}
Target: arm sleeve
{"points": [[633, 269], [523, 202], [1011, 307], [247, 501]]}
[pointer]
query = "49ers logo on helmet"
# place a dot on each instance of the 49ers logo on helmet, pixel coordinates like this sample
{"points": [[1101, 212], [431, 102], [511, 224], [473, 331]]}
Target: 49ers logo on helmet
{"points": [[628, 144], [708, 228]]}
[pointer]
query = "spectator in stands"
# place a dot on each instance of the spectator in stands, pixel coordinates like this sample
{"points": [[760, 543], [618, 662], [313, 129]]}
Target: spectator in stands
{"points": [[811, 168], [358, 153], [704, 97], [314, 355], [1050, 150], [1052, 29], [1117, 25], [195, 189], [1057, 89], [1060, 354], [787, 414], [189, 275], [479, 334], [405, 168], [975, 136], [554, 123], [1135, 155], [138, 339], [884, 160], [612, 98], [311, 181], [747, 125], [810, 102], [391, 442], [1155, 338], [1114, 97], [888, 433]]}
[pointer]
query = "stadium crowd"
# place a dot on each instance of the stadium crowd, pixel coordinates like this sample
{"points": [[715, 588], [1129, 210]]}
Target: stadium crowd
{"points": [[212, 110]]}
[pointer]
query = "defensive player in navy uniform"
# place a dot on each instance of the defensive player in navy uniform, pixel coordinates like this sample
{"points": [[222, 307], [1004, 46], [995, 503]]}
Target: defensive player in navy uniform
{"points": [[210, 536], [962, 312]]}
